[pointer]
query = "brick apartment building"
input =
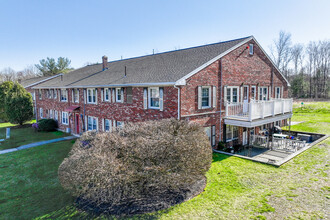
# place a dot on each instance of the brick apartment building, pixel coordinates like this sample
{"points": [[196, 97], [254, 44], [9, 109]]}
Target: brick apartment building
{"points": [[231, 88]]}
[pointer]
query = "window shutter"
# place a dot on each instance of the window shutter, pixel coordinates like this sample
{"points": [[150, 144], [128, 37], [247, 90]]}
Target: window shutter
{"points": [[210, 96], [85, 96], [102, 95], [225, 95], [72, 98], [161, 99], [122, 95], [214, 96], [113, 95], [114, 124], [59, 94], [97, 124], [96, 96], [199, 97], [145, 98], [103, 124], [281, 95], [110, 97], [129, 95], [241, 88]]}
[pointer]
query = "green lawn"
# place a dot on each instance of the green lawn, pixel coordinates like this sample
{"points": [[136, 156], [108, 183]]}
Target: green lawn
{"points": [[21, 136], [236, 188]]}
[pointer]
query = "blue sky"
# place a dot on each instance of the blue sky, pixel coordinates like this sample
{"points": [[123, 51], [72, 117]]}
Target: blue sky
{"points": [[84, 30]]}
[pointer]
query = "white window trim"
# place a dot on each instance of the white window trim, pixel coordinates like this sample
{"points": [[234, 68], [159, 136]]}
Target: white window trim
{"points": [[41, 113], [262, 93], [74, 100], [118, 91], [121, 124], [66, 122], [232, 133], [66, 95], [55, 115], [107, 90], [231, 93], [93, 94], [55, 93], [110, 125], [255, 92], [149, 98], [210, 98], [251, 49], [96, 120], [278, 87]]}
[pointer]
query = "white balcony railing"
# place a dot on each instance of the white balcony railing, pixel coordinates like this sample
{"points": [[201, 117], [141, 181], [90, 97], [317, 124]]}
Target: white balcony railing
{"points": [[258, 109]]}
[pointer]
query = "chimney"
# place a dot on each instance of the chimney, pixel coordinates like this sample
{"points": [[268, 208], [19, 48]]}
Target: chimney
{"points": [[105, 62]]}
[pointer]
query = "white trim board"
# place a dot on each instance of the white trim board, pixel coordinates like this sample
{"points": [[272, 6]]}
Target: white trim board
{"points": [[162, 84], [258, 122], [182, 81]]}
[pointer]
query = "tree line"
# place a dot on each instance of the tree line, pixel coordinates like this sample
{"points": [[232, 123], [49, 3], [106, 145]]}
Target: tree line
{"points": [[305, 66], [46, 67]]}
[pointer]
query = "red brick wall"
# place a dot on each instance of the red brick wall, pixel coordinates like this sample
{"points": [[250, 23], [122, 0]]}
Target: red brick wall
{"points": [[237, 67], [114, 111]]}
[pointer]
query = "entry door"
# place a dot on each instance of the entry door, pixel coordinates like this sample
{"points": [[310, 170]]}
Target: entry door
{"points": [[245, 99], [208, 132], [245, 136], [77, 124]]}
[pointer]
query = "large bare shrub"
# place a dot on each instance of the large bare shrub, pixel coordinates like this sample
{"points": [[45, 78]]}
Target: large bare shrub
{"points": [[141, 168]]}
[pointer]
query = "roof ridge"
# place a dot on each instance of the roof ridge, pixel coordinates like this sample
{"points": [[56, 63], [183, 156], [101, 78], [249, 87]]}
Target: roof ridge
{"points": [[172, 51]]}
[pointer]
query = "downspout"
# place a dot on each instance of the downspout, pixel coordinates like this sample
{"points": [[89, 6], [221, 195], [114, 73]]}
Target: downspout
{"points": [[84, 120], [179, 100], [35, 106], [220, 86]]}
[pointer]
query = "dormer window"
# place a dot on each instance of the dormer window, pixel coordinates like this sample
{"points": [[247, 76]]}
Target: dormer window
{"points": [[251, 49]]}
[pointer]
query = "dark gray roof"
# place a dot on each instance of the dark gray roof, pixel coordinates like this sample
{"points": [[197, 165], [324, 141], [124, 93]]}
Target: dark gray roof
{"points": [[158, 68], [34, 81]]}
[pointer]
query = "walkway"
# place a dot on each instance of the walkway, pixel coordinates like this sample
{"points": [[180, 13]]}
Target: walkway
{"points": [[37, 144]]}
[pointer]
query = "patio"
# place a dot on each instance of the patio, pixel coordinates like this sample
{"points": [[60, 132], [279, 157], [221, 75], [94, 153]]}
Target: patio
{"points": [[278, 152]]}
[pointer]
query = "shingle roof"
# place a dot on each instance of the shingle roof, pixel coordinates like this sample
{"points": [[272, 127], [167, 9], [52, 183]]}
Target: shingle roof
{"points": [[33, 81], [158, 68]]}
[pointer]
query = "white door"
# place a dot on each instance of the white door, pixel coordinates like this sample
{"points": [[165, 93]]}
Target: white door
{"points": [[208, 132], [245, 135], [245, 99]]}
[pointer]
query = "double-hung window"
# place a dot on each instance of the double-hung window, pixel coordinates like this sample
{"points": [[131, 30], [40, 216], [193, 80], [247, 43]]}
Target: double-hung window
{"points": [[277, 92], [75, 95], [40, 94], [107, 94], [263, 93], [206, 97], [41, 113], [55, 93], [231, 132], [119, 97], [50, 113], [107, 125], [232, 94], [65, 118], [64, 95], [153, 97], [92, 123], [91, 94], [56, 115], [253, 92]]}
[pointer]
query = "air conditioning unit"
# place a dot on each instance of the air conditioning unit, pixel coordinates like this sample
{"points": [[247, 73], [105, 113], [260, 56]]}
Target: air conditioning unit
{"points": [[68, 130]]}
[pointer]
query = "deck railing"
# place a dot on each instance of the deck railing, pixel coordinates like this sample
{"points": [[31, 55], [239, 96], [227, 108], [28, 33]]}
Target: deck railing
{"points": [[287, 144], [258, 109]]}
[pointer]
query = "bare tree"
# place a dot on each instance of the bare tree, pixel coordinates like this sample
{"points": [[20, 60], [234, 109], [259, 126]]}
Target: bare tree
{"points": [[297, 55], [281, 51], [8, 74]]}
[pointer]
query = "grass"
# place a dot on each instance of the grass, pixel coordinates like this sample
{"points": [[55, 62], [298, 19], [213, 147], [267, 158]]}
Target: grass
{"points": [[29, 186], [236, 188], [22, 136], [7, 124]]}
